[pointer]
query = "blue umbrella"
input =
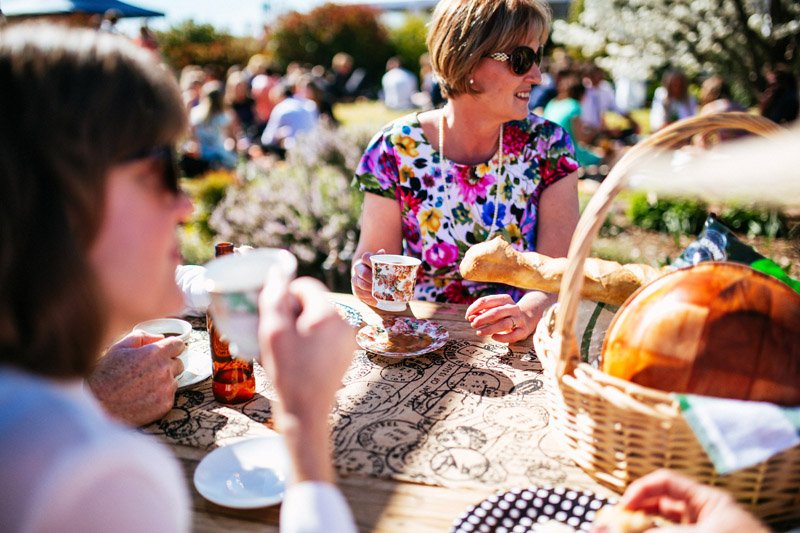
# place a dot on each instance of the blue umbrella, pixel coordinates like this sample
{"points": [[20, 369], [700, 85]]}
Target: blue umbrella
{"points": [[24, 8]]}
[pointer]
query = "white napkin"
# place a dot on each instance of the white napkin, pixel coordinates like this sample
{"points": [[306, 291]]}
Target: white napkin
{"points": [[737, 434]]}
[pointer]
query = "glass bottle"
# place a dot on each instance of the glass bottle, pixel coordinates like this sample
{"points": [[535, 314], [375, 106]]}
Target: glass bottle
{"points": [[233, 380]]}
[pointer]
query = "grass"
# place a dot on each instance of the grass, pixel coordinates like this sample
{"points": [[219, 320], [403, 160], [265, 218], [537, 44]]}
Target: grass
{"points": [[365, 114]]}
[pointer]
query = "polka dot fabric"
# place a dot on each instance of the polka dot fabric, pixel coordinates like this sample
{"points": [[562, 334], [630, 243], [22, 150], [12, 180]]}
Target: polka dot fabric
{"points": [[519, 510]]}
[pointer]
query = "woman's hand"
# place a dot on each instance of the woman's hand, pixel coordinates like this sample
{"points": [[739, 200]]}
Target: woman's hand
{"points": [[305, 349], [685, 501], [504, 320], [361, 278]]}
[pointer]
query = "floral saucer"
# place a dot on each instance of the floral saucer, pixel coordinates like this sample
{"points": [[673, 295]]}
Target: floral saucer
{"points": [[402, 337]]}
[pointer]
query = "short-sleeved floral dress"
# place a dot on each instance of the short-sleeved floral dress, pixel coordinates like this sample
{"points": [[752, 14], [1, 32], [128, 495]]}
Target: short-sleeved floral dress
{"points": [[442, 218]]}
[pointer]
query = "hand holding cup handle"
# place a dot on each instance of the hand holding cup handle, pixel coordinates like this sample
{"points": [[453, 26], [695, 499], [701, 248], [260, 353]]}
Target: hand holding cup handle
{"points": [[361, 278]]}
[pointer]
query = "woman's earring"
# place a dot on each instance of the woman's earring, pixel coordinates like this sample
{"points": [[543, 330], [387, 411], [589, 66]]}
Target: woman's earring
{"points": [[471, 81]]}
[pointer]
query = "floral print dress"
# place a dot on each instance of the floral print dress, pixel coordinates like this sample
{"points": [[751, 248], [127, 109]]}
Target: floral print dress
{"points": [[442, 218]]}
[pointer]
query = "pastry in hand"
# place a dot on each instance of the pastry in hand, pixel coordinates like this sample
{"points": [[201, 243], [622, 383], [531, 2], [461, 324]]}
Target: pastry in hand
{"points": [[616, 519]]}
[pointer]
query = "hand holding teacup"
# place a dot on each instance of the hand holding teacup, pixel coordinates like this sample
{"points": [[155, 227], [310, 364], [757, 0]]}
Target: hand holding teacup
{"points": [[361, 278], [135, 379], [234, 283], [385, 281]]}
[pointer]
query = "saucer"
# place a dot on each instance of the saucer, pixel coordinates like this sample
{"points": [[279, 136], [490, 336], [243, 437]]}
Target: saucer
{"points": [[249, 474], [197, 368], [402, 337]]}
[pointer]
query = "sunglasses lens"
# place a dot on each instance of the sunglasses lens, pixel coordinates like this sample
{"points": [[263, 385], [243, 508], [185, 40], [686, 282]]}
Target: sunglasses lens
{"points": [[171, 169], [522, 59]]}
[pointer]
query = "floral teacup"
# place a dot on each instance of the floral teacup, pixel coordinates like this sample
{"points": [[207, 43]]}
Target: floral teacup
{"points": [[393, 279]]}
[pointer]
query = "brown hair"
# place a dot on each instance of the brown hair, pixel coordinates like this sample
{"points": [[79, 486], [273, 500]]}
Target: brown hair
{"points": [[462, 32], [74, 104]]}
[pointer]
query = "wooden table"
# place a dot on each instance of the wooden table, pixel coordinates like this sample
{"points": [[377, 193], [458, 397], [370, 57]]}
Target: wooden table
{"points": [[377, 504]]}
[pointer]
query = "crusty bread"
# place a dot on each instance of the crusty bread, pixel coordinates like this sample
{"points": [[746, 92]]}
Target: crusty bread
{"points": [[496, 261]]}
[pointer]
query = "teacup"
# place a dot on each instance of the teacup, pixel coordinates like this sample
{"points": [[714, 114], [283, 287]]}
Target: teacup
{"points": [[234, 283], [393, 279], [170, 327]]}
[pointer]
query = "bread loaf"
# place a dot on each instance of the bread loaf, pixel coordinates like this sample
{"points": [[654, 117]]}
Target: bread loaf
{"points": [[716, 329], [496, 261]]}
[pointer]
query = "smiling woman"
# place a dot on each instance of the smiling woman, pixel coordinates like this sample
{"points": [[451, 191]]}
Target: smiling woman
{"points": [[441, 181]]}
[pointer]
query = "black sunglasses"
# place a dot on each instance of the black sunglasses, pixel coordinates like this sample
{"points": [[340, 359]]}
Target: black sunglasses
{"points": [[520, 60], [166, 156]]}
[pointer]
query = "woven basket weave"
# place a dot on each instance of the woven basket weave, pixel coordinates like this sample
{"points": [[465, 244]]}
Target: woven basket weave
{"points": [[619, 431]]}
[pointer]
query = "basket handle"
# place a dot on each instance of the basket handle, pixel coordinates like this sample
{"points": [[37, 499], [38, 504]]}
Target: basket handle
{"points": [[594, 214]]}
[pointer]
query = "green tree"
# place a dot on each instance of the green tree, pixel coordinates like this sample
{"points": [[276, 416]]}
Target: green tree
{"points": [[408, 41], [733, 38], [189, 43], [315, 37]]}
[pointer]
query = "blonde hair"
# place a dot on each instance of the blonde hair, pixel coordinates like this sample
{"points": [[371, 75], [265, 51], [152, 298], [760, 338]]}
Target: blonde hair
{"points": [[462, 32]]}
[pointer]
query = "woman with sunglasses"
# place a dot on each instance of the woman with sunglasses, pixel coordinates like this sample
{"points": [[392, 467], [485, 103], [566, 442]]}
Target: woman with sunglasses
{"points": [[87, 249], [443, 180]]}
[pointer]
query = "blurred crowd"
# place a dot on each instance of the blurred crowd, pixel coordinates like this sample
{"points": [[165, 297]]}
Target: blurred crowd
{"points": [[256, 110]]}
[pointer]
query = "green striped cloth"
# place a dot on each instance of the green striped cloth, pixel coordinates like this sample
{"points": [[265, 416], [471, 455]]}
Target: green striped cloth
{"points": [[737, 434], [591, 325]]}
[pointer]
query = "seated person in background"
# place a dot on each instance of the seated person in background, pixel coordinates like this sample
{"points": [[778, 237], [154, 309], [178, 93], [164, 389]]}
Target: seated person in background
{"points": [[399, 85], [598, 100], [294, 113], [88, 250], [565, 110], [672, 101], [715, 97], [213, 124], [780, 101]]}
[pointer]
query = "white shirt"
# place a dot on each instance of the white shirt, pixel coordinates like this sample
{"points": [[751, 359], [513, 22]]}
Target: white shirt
{"points": [[314, 507], [660, 116], [596, 102], [67, 467], [191, 280], [399, 85], [290, 117]]}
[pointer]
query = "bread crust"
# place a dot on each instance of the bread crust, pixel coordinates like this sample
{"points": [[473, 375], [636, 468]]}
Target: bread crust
{"points": [[495, 261]]}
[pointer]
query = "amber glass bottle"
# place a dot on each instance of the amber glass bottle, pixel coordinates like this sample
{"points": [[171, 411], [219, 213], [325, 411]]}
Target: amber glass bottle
{"points": [[233, 380]]}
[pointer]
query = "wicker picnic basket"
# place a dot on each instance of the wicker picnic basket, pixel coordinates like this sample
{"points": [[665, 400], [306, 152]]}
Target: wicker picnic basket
{"points": [[617, 430]]}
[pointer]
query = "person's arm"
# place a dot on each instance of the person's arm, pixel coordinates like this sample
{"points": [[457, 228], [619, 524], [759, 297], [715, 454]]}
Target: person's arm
{"points": [[377, 176], [135, 379], [381, 232], [685, 501], [306, 348]]}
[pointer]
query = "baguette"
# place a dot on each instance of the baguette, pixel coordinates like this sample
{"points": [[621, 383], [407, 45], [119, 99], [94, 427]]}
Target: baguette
{"points": [[495, 261]]}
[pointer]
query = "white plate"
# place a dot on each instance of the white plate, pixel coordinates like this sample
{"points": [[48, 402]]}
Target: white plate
{"points": [[197, 368], [248, 474]]}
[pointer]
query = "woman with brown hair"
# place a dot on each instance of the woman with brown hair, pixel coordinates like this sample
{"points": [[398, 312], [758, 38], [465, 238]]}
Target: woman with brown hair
{"points": [[439, 181], [88, 248]]}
